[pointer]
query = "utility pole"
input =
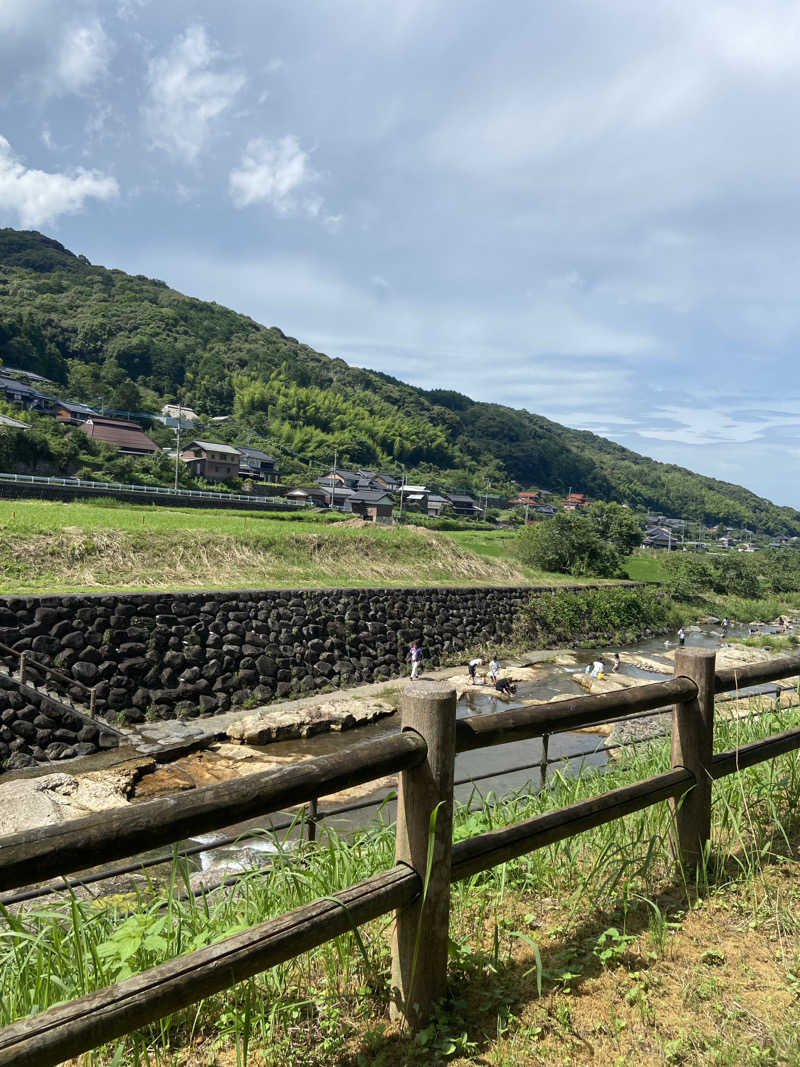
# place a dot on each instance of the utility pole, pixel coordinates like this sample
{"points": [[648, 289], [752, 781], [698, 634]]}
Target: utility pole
{"points": [[333, 476], [178, 444], [402, 487]]}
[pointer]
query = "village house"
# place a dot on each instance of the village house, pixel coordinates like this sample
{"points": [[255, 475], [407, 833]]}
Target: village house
{"points": [[180, 411], [67, 411], [18, 392], [257, 464], [437, 505], [211, 460], [128, 436], [308, 494], [573, 501], [345, 478], [463, 504], [658, 537], [526, 497], [374, 504], [382, 480]]}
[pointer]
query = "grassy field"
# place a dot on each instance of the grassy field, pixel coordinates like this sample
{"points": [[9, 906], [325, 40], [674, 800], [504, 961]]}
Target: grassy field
{"points": [[590, 951], [87, 545]]}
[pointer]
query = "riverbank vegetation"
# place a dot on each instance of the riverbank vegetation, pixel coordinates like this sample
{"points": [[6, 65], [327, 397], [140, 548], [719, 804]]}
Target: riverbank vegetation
{"points": [[617, 614], [588, 951]]}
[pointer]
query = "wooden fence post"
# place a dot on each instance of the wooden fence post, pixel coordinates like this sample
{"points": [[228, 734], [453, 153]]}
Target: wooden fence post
{"points": [[420, 939], [22, 658], [693, 748]]}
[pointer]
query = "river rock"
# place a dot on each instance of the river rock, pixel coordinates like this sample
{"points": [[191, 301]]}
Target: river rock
{"points": [[55, 798], [609, 683], [267, 726]]}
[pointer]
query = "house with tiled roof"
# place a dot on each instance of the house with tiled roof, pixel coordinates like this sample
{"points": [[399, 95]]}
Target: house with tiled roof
{"points": [[127, 435], [374, 504], [212, 460], [254, 463]]}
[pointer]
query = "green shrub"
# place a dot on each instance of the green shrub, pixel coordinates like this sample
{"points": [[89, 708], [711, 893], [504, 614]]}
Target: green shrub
{"points": [[611, 613]]}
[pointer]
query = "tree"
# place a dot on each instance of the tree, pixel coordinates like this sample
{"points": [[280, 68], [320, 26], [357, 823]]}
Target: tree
{"points": [[568, 544], [617, 525]]}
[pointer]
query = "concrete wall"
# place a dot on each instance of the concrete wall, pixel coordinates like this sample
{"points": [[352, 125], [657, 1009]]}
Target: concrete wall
{"points": [[162, 655]]}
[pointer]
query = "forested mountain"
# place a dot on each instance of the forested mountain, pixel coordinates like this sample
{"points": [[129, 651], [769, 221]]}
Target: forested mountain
{"points": [[133, 341]]}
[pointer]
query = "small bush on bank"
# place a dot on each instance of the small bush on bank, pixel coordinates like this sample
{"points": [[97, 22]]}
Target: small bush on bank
{"points": [[609, 613]]}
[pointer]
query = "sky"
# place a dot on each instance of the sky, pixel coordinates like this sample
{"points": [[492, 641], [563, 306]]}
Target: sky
{"points": [[589, 210]]}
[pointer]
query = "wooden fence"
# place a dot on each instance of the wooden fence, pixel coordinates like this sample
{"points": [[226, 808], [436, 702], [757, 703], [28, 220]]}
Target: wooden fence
{"points": [[424, 755]]}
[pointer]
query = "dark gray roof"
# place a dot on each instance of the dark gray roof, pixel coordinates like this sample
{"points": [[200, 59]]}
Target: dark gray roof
{"points": [[78, 409], [462, 498], [255, 453], [370, 496]]}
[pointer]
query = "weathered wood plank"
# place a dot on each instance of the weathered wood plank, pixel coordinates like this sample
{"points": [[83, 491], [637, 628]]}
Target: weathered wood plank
{"points": [[487, 850], [518, 724], [736, 759], [35, 855], [79, 1025], [731, 678]]}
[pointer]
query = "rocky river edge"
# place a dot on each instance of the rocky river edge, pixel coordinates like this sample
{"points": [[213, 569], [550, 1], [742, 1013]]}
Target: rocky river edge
{"points": [[166, 758]]}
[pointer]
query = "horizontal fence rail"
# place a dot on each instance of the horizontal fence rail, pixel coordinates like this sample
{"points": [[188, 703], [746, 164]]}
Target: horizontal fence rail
{"points": [[535, 720], [424, 753], [109, 835], [757, 673]]}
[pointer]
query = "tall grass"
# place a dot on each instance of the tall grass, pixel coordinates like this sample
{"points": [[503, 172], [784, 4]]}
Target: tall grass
{"points": [[57, 952]]}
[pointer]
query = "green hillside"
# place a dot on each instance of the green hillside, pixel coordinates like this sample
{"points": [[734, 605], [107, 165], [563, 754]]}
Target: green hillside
{"points": [[134, 341]]}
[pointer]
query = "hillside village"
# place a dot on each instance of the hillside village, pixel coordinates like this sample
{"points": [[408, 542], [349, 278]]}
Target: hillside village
{"points": [[376, 496]]}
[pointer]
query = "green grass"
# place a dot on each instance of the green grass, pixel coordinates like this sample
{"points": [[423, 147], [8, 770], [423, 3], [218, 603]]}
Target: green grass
{"points": [[645, 566], [530, 938], [47, 546]]}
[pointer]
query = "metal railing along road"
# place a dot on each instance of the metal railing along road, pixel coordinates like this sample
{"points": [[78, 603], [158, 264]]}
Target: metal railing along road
{"points": [[423, 753], [149, 490]]}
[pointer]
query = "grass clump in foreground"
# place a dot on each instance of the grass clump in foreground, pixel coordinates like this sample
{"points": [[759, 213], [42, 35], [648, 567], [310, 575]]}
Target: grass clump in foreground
{"points": [[590, 950]]}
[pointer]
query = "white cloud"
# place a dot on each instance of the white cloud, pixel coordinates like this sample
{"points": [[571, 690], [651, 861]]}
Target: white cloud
{"points": [[270, 172], [37, 196], [83, 57], [185, 94]]}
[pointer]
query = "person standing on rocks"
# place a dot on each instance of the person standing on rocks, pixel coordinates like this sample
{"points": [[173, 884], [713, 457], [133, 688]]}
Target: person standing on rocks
{"points": [[472, 667], [415, 655], [681, 637], [494, 669]]}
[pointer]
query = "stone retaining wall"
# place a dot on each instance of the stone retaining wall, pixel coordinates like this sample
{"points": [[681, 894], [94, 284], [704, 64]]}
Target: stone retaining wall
{"points": [[167, 655]]}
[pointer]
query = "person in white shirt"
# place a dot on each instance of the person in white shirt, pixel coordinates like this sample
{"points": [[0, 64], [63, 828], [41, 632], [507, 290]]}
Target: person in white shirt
{"points": [[597, 668], [494, 669], [472, 666]]}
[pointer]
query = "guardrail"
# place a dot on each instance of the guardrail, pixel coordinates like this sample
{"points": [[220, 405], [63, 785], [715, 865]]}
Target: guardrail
{"points": [[418, 886], [29, 668], [159, 490]]}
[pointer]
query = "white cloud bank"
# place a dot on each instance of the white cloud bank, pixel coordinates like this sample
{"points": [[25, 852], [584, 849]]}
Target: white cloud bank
{"points": [[38, 196], [185, 94]]}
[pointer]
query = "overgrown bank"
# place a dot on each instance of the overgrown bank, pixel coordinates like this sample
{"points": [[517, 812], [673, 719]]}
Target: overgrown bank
{"points": [[610, 613]]}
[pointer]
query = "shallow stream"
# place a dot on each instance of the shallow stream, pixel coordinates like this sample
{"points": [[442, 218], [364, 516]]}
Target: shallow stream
{"points": [[500, 770]]}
